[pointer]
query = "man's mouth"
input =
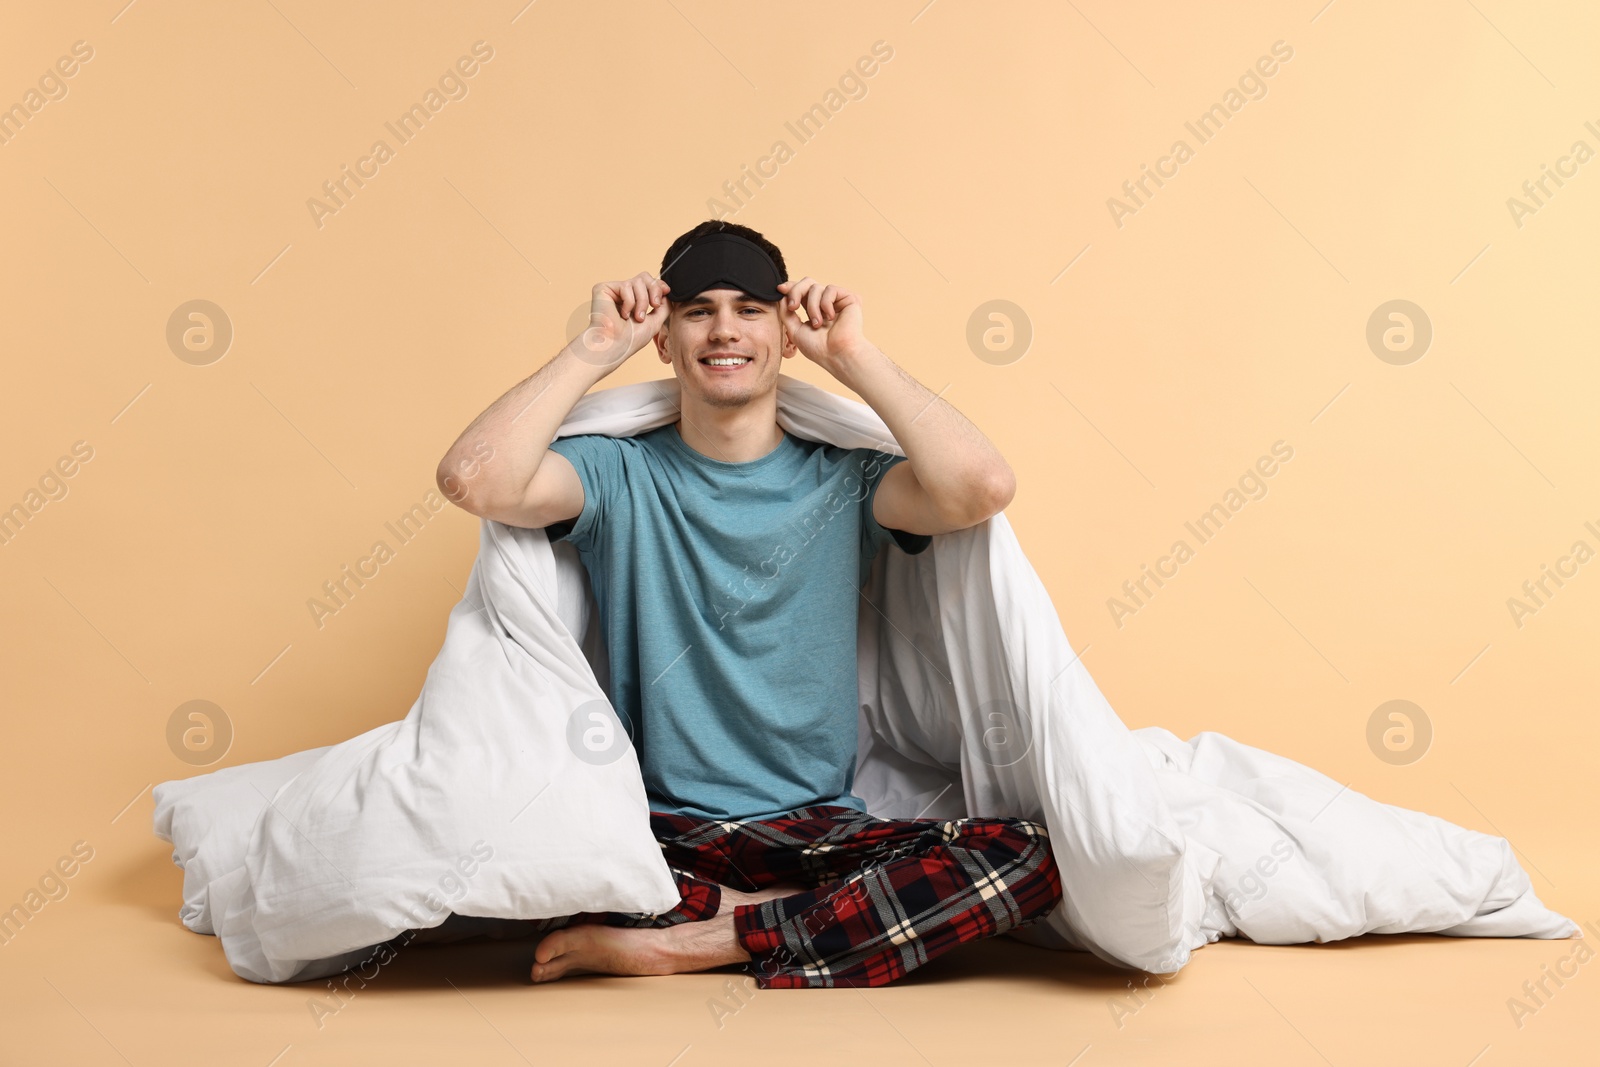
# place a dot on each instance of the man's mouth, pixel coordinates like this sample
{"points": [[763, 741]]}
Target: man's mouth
{"points": [[724, 362]]}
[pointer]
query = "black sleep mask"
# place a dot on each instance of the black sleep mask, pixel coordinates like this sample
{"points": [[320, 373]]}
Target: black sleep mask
{"points": [[723, 261]]}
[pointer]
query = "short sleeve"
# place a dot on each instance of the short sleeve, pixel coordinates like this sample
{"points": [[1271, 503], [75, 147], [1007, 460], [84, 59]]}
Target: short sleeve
{"points": [[598, 460], [873, 465]]}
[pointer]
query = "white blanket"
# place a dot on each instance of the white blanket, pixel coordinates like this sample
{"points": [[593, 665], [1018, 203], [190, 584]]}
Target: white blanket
{"points": [[485, 801]]}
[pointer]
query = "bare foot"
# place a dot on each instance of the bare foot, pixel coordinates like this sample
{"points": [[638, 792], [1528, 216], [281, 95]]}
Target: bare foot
{"points": [[599, 949], [594, 948]]}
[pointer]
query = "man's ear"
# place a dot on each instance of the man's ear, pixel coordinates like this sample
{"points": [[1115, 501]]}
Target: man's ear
{"points": [[660, 339]]}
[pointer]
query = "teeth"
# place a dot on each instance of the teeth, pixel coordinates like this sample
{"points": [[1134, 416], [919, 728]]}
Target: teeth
{"points": [[731, 361]]}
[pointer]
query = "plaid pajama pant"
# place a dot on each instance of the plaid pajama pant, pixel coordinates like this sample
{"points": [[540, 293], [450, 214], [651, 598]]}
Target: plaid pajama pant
{"points": [[888, 894]]}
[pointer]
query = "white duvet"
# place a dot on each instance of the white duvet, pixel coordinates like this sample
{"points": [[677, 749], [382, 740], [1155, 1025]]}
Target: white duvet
{"points": [[488, 798]]}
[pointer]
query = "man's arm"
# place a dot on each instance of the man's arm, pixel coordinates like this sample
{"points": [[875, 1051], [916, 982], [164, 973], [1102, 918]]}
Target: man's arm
{"points": [[497, 468], [953, 476]]}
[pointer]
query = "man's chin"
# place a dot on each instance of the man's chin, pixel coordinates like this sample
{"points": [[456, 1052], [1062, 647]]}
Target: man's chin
{"points": [[725, 394], [731, 397]]}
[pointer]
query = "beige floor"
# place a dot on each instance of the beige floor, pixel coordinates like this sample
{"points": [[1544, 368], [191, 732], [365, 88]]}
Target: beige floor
{"points": [[109, 976]]}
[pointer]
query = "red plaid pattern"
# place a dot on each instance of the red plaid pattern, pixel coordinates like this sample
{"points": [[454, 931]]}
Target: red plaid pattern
{"points": [[890, 894]]}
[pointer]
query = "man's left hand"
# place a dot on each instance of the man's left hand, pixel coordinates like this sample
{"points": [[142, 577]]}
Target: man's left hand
{"points": [[832, 335]]}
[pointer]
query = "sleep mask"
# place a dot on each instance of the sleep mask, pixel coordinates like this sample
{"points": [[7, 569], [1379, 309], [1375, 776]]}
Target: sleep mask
{"points": [[723, 261]]}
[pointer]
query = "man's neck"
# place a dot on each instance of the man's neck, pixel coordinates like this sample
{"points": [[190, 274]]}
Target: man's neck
{"points": [[732, 435]]}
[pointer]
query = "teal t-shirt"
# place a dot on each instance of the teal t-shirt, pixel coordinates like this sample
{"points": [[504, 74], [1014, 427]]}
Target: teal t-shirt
{"points": [[729, 596]]}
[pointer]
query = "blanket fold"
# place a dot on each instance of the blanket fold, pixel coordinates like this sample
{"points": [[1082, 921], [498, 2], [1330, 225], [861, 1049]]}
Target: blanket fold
{"points": [[504, 794]]}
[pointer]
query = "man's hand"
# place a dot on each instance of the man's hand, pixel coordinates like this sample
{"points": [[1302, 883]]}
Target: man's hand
{"points": [[500, 466], [832, 335], [624, 316]]}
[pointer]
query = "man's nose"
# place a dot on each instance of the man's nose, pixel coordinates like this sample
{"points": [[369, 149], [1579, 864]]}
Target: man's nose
{"points": [[725, 327]]}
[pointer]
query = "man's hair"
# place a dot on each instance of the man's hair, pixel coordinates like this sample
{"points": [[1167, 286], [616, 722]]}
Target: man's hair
{"points": [[715, 226]]}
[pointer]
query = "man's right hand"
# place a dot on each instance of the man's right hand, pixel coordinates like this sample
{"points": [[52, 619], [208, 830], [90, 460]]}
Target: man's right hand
{"points": [[501, 467], [624, 316]]}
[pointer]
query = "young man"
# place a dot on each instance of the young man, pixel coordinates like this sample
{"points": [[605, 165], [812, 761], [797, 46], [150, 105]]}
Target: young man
{"points": [[726, 557]]}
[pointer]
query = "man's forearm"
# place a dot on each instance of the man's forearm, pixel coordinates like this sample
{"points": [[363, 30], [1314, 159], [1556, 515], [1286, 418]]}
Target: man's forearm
{"points": [[956, 464], [496, 456]]}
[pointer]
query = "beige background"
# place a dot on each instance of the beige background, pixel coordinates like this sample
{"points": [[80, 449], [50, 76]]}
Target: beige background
{"points": [[1227, 313]]}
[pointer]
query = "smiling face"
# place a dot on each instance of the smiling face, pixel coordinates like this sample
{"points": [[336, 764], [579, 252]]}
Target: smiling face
{"points": [[725, 325]]}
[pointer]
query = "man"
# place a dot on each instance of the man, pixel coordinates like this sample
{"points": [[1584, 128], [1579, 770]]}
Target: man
{"points": [[726, 557]]}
